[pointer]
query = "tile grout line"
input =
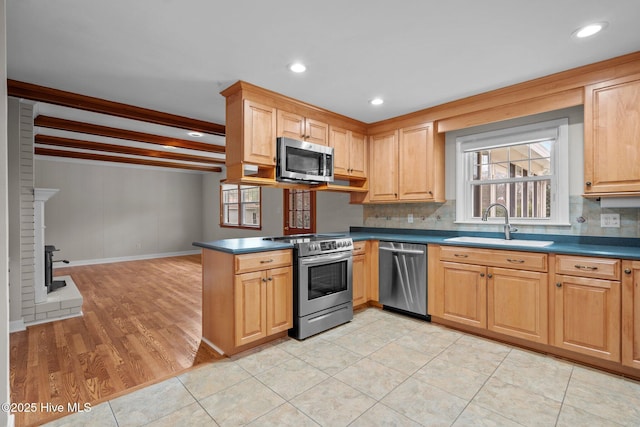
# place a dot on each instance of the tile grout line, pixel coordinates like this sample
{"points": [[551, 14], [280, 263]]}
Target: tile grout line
{"points": [[482, 386]]}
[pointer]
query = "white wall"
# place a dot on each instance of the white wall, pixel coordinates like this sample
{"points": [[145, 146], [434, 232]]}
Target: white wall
{"points": [[4, 225], [333, 212], [105, 211]]}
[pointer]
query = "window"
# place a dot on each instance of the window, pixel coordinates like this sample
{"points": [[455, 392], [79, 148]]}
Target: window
{"points": [[299, 212], [525, 168], [240, 206]]}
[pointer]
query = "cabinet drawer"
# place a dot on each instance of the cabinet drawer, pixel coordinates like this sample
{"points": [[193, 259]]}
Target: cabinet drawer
{"points": [[495, 258], [359, 248], [598, 268], [262, 260]]}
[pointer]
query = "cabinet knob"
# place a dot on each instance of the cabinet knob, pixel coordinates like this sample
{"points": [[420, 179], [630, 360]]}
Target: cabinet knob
{"points": [[270, 279], [481, 274], [489, 275], [627, 271], [588, 183], [558, 285], [264, 280]]}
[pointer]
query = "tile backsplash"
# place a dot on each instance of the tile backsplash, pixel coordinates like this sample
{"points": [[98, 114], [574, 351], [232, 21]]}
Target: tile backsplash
{"points": [[584, 216]]}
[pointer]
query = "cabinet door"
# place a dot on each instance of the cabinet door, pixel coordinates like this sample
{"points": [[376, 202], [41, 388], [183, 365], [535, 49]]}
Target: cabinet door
{"points": [[279, 300], [631, 314], [316, 132], [359, 280], [250, 314], [462, 293], [587, 316], [339, 141], [611, 128], [259, 134], [415, 162], [358, 155], [291, 125], [517, 303], [383, 179]]}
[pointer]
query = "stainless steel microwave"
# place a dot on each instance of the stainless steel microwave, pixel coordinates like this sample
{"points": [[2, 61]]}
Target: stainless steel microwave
{"points": [[301, 161]]}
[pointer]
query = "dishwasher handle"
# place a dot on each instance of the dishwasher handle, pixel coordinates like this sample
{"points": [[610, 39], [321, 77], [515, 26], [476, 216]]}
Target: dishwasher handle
{"points": [[402, 251]]}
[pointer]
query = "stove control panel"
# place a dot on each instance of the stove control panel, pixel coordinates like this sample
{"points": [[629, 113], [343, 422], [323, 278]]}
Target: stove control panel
{"points": [[325, 246]]}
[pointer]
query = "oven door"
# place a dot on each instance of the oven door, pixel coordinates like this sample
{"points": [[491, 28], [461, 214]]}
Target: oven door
{"points": [[324, 281]]}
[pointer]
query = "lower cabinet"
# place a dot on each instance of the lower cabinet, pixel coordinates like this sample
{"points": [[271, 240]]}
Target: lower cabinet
{"points": [[263, 304], [365, 272], [463, 291], [475, 291], [631, 314], [587, 304], [359, 280], [587, 316], [246, 298], [517, 303]]}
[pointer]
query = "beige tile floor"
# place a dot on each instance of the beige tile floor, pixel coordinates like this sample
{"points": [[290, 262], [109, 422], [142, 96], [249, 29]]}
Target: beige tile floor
{"points": [[380, 369]]}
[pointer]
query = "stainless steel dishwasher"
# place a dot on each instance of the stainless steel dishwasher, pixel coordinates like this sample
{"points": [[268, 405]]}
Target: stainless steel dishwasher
{"points": [[403, 277]]}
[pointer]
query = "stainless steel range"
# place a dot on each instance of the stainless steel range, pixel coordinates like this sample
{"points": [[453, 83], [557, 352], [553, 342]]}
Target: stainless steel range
{"points": [[322, 284]]}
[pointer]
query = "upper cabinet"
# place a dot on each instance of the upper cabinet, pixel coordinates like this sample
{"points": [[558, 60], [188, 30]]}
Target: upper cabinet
{"points": [[383, 185], [259, 130], [302, 128], [257, 116], [349, 152], [612, 137], [408, 165]]}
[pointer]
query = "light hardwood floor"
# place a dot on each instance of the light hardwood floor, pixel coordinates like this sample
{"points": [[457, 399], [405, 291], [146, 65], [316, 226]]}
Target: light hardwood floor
{"points": [[141, 324]]}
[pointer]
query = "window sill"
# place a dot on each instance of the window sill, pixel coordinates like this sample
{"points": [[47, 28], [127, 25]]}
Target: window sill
{"points": [[241, 227]]}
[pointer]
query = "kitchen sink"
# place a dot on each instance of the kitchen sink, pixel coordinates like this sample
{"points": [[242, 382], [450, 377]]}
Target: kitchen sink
{"points": [[501, 242]]}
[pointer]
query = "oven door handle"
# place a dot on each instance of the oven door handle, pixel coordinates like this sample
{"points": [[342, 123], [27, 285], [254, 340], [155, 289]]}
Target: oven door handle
{"points": [[321, 259]]}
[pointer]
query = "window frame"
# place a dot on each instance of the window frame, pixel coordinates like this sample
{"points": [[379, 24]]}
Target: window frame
{"points": [[552, 129], [239, 204]]}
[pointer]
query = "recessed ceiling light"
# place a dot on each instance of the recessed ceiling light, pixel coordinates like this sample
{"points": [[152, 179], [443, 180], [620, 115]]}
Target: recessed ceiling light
{"points": [[298, 67], [170, 147], [589, 30], [195, 134], [376, 101]]}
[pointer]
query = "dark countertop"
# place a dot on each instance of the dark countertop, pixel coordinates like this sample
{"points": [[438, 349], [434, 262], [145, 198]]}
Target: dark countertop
{"points": [[610, 247]]}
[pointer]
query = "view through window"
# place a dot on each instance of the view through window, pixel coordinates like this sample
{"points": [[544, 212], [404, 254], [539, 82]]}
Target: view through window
{"points": [[240, 206]]}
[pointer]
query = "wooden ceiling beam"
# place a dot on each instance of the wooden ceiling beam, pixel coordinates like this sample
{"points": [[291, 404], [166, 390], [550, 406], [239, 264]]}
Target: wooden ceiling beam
{"points": [[42, 151], [98, 105], [91, 129], [121, 149]]}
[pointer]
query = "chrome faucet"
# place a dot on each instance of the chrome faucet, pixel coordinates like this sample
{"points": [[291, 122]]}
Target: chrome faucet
{"points": [[508, 228]]}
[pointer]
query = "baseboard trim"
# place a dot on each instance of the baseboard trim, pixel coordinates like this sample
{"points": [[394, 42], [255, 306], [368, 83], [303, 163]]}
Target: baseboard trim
{"points": [[212, 345], [126, 258], [17, 326], [54, 319]]}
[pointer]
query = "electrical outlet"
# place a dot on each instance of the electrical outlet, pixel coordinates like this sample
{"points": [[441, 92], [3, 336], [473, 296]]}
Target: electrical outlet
{"points": [[410, 218], [138, 245], [610, 220]]}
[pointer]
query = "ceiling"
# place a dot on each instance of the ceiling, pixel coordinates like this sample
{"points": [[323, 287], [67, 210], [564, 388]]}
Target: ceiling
{"points": [[175, 56]]}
